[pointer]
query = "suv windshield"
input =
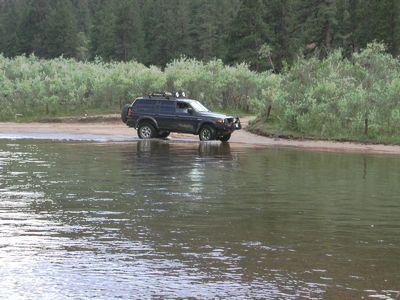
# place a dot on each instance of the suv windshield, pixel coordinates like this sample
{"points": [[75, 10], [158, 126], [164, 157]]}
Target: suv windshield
{"points": [[198, 106]]}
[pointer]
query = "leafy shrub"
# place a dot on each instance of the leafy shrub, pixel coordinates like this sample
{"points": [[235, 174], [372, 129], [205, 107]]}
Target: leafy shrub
{"points": [[338, 97], [37, 87]]}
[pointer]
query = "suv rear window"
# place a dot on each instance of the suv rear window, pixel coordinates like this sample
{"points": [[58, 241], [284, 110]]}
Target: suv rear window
{"points": [[167, 107], [145, 106]]}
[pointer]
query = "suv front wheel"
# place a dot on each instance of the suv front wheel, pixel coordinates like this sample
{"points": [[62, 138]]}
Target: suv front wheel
{"points": [[146, 131], [163, 134], [207, 133], [225, 138]]}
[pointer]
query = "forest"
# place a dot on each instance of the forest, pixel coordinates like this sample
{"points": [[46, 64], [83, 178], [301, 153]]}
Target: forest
{"points": [[312, 68], [266, 34]]}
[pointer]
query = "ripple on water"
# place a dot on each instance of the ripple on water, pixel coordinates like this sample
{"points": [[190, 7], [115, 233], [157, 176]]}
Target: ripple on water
{"points": [[165, 220]]}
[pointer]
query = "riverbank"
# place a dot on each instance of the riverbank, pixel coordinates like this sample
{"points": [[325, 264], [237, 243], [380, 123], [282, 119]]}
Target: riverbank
{"points": [[110, 128]]}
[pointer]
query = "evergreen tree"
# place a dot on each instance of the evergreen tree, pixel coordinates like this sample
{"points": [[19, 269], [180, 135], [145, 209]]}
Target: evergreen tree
{"points": [[157, 31], [209, 26], [248, 32], [8, 22], [103, 31], [30, 32], [161, 35], [277, 18], [315, 24], [183, 43], [129, 41], [204, 29], [61, 30]]}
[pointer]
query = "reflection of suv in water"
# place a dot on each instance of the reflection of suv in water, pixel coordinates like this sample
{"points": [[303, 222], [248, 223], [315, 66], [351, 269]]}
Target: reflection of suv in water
{"points": [[159, 114]]}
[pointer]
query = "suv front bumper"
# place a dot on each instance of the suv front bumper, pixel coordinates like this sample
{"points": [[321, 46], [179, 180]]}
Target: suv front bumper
{"points": [[229, 125]]}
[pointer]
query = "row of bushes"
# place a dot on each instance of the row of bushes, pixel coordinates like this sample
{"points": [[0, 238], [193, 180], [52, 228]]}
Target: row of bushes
{"points": [[35, 87], [337, 97]]}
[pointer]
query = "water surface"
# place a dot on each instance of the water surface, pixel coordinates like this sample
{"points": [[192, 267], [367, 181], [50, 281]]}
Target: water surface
{"points": [[166, 219]]}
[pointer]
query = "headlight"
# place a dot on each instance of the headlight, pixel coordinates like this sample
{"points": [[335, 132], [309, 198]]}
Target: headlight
{"points": [[220, 121]]}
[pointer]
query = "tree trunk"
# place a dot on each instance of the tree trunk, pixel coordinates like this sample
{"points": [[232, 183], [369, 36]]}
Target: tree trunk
{"points": [[328, 36], [272, 63], [366, 126], [269, 111]]}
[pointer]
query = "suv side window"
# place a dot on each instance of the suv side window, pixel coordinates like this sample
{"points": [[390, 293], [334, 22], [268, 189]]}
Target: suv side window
{"points": [[167, 107], [182, 108], [145, 106]]}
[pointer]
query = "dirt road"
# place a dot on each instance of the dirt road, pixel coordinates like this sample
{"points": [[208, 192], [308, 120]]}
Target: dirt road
{"points": [[108, 129]]}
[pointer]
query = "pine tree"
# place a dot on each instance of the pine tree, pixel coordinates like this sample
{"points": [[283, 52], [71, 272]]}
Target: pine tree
{"points": [[157, 31], [277, 18], [129, 36], [8, 22], [248, 32], [61, 30], [30, 32], [183, 43], [102, 37], [209, 26], [204, 29], [396, 28], [161, 35], [316, 22]]}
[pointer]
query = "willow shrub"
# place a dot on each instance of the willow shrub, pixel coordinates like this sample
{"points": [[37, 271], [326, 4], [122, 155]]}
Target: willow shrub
{"points": [[338, 97], [218, 85], [35, 87]]}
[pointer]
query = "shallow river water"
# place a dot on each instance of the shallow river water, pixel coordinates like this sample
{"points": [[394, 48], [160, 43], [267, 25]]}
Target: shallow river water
{"points": [[167, 220]]}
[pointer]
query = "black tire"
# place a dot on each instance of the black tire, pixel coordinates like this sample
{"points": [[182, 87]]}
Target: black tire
{"points": [[207, 133], [146, 131], [124, 113], [163, 134], [225, 138]]}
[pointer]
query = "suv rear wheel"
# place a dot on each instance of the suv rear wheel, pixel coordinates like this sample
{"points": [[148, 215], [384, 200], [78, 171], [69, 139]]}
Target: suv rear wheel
{"points": [[146, 131], [207, 133], [124, 113]]}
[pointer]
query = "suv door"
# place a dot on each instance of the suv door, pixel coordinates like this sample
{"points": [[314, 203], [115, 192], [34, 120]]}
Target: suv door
{"points": [[185, 122], [166, 115]]}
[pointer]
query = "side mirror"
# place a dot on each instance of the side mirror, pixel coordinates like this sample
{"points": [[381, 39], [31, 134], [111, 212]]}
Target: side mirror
{"points": [[190, 111]]}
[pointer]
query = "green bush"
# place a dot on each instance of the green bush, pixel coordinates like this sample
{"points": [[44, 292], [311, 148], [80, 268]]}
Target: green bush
{"points": [[336, 97], [218, 85], [36, 87]]}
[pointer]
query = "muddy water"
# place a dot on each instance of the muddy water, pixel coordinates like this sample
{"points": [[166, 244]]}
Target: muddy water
{"points": [[165, 219]]}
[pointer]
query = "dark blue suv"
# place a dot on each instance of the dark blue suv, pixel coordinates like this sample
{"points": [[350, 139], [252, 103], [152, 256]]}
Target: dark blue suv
{"points": [[156, 115]]}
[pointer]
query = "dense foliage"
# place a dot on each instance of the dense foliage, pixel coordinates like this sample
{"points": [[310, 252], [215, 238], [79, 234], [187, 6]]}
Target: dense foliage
{"points": [[337, 97], [38, 87], [154, 32]]}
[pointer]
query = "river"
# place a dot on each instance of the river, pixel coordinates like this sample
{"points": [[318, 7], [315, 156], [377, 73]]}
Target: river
{"points": [[163, 219]]}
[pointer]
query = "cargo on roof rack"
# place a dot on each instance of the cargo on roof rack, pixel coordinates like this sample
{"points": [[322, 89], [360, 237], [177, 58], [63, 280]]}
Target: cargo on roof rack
{"points": [[168, 95]]}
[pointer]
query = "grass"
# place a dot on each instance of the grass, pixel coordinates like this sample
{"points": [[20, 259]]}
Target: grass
{"points": [[274, 130], [51, 117]]}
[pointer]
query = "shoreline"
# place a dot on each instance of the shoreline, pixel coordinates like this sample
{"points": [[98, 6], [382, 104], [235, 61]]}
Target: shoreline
{"points": [[110, 129]]}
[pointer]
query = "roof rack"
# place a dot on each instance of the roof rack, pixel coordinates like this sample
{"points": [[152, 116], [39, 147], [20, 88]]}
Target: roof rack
{"points": [[161, 94], [168, 95]]}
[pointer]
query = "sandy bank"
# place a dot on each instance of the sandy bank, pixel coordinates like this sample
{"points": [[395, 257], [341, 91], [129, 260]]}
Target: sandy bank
{"points": [[111, 129]]}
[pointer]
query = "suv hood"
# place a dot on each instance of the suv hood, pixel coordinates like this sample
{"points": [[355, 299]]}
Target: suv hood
{"points": [[213, 115]]}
